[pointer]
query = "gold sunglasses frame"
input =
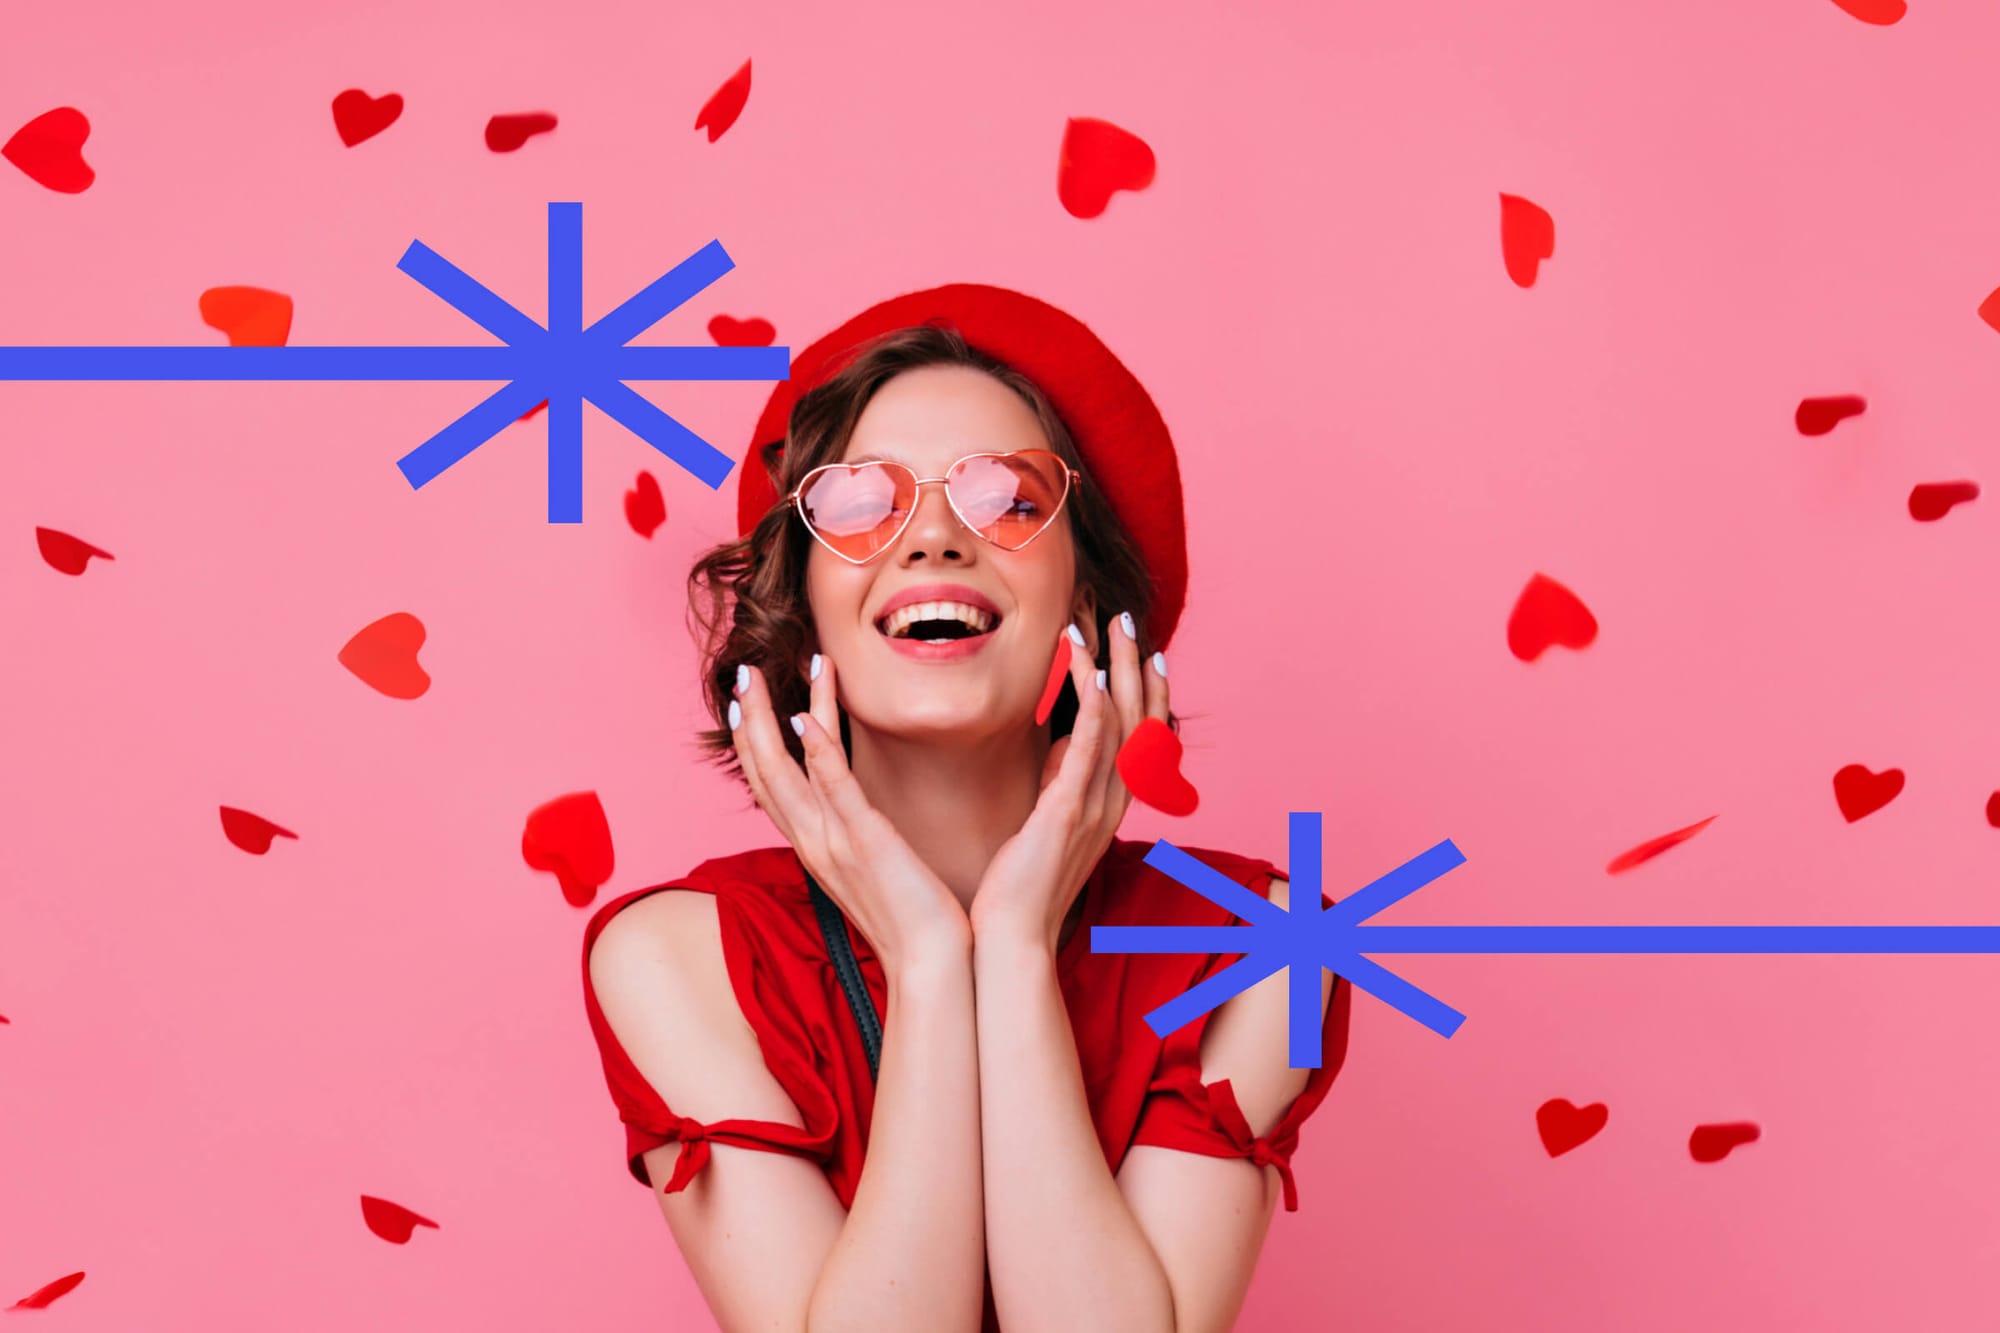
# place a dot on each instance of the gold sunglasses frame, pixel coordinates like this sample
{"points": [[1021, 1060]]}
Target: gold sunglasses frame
{"points": [[1072, 478]]}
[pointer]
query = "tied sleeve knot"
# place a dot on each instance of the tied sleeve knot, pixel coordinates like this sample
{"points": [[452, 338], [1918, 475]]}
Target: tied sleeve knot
{"points": [[1257, 1147], [694, 1150]]}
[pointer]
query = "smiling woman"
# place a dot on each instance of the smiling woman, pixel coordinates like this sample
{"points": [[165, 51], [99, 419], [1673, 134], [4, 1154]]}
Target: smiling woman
{"points": [[967, 483]]}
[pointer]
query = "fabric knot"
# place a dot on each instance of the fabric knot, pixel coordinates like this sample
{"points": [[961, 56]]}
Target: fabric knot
{"points": [[1262, 1154], [694, 1152]]}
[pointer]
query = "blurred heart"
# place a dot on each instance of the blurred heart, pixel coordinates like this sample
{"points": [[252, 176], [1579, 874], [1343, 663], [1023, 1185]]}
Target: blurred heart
{"points": [[358, 116], [1527, 237], [1563, 1126], [1817, 416], [251, 316], [49, 149], [66, 553], [1933, 500], [392, 1221], [1860, 792], [1096, 160], [1052, 687], [1150, 764], [729, 332], [40, 1300], [1883, 12], [570, 837], [725, 104], [384, 656], [252, 833], [1547, 613], [1711, 1143], [506, 133], [535, 409], [1646, 851], [645, 507]]}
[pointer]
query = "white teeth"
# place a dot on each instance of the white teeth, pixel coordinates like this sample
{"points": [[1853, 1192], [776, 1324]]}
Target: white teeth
{"points": [[897, 624]]}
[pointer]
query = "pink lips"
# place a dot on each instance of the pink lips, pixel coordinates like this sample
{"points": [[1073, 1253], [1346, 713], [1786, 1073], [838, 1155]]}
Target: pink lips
{"points": [[939, 650]]}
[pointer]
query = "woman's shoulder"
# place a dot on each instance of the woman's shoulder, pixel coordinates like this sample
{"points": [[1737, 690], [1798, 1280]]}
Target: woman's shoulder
{"points": [[763, 878], [1150, 880]]}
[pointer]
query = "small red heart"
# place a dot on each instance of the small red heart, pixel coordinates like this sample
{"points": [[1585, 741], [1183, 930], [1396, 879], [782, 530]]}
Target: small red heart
{"points": [[384, 656], [645, 507], [729, 332], [1563, 1126], [66, 553], [571, 837], [252, 833], [251, 316], [1646, 851], [392, 1221], [1933, 500], [1096, 160], [1883, 12], [1860, 792], [1150, 764], [1527, 237], [1058, 673], [725, 104], [533, 410], [41, 1300], [1547, 613], [1993, 809], [1711, 1143], [1817, 416], [357, 116], [506, 133], [1989, 309], [49, 149]]}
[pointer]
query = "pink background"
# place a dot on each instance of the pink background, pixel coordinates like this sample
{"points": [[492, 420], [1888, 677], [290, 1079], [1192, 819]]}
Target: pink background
{"points": [[212, 1055]]}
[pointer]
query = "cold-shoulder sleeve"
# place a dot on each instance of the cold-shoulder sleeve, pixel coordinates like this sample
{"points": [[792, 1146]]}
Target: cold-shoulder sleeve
{"points": [[650, 1123], [1181, 1111]]}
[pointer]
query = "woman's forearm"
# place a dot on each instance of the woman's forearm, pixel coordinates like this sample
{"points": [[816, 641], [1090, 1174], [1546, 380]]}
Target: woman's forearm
{"points": [[911, 1255], [1064, 1249]]}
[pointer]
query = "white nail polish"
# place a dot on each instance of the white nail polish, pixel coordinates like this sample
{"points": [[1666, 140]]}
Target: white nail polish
{"points": [[1160, 663], [798, 725], [1100, 679], [1125, 623], [814, 674], [1075, 635], [742, 677], [735, 715]]}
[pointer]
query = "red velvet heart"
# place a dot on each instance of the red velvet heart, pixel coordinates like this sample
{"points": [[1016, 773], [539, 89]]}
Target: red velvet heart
{"points": [[1817, 416], [506, 133], [1527, 237], [384, 656], [729, 332], [1860, 792], [357, 116], [1711, 1143], [66, 553], [391, 1221], [253, 833], [725, 104], [49, 149], [570, 837], [645, 507], [1933, 500], [1563, 1126], [1150, 764], [1097, 159], [251, 316], [1548, 613]]}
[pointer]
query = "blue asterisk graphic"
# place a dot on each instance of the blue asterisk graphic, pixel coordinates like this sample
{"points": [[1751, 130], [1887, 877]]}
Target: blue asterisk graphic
{"points": [[1306, 938], [564, 363]]}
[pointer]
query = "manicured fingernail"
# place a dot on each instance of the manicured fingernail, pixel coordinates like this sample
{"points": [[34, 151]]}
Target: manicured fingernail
{"points": [[813, 674], [1100, 678], [1075, 635], [742, 677], [1125, 623], [798, 724], [735, 715], [1160, 663]]}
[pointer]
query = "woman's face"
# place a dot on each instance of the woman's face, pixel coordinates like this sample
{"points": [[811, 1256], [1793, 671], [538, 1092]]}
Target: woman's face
{"points": [[927, 419]]}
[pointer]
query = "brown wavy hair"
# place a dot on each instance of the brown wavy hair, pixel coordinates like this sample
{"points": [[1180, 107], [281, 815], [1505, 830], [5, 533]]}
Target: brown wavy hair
{"points": [[747, 598]]}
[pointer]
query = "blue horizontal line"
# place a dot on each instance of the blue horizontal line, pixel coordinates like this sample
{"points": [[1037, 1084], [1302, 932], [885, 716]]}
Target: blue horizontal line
{"points": [[1662, 939], [385, 364]]}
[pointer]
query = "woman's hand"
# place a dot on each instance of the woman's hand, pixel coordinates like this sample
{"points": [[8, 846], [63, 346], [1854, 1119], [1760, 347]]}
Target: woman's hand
{"points": [[1035, 876], [887, 891]]}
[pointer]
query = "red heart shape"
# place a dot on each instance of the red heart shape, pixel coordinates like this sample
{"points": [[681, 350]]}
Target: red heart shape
{"points": [[1150, 764], [1860, 792], [1993, 809], [1817, 416], [645, 507], [49, 149], [1563, 1126], [1527, 237], [384, 656], [506, 133], [252, 833], [725, 104], [1646, 851], [533, 410], [40, 1299], [571, 837], [391, 1221], [1933, 500], [66, 553], [1882, 12], [1711, 1143], [358, 116], [251, 316], [1058, 673], [1547, 613], [1097, 159], [729, 332]]}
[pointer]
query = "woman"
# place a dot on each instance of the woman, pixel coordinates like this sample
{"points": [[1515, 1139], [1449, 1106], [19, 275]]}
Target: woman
{"points": [[951, 485]]}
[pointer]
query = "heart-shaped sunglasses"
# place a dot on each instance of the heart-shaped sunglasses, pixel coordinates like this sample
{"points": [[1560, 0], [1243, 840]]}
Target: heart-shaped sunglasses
{"points": [[857, 510]]}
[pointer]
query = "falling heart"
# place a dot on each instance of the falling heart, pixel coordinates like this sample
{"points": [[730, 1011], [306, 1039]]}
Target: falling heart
{"points": [[570, 837], [1527, 237], [1860, 792], [506, 133], [729, 332], [1052, 687], [1563, 1126], [49, 149], [1883, 12], [1933, 500], [725, 104], [1547, 613], [1993, 809], [384, 656], [251, 316], [1097, 160], [66, 553], [1646, 851], [1817, 416], [40, 1300], [534, 410], [645, 507], [1150, 764], [357, 116], [1711, 1143], [252, 833], [391, 1221]]}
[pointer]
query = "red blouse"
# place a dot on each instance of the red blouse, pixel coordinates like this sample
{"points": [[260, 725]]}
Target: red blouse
{"points": [[1142, 1089]]}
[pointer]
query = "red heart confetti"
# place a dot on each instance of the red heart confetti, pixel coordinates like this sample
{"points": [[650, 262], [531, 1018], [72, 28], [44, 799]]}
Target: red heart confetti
{"points": [[1097, 159], [1527, 237], [571, 837], [1547, 613], [506, 133], [1817, 416], [384, 656], [41, 1300], [49, 149], [357, 116], [392, 1221], [725, 104], [1646, 851], [1989, 309], [1563, 1126], [251, 316], [645, 507], [1934, 499], [253, 833], [1993, 809], [1711, 1143], [729, 332], [1058, 673], [1861, 792], [1150, 764], [65, 553], [533, 410], [1883, 12]]}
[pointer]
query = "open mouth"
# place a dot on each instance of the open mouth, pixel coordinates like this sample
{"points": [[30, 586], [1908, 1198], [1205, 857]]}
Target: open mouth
{"points": [[933, 621]]}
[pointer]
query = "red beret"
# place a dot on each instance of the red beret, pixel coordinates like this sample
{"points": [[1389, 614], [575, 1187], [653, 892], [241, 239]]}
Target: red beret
{"points": [[1117, 429]]}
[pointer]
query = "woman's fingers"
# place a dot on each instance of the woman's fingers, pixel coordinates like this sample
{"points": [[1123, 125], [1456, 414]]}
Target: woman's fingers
{"points": [[1093, 706], [825, 705], [1156, 686], [788, 797], [1128, 698]]}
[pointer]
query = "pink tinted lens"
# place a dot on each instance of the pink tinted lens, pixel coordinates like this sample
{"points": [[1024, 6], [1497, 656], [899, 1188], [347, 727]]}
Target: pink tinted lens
{"points": [[1008, 498], [858, 510]]}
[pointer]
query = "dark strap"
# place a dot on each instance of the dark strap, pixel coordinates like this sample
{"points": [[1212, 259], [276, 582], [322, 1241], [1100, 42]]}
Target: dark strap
{"points": [[833, 926]]}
